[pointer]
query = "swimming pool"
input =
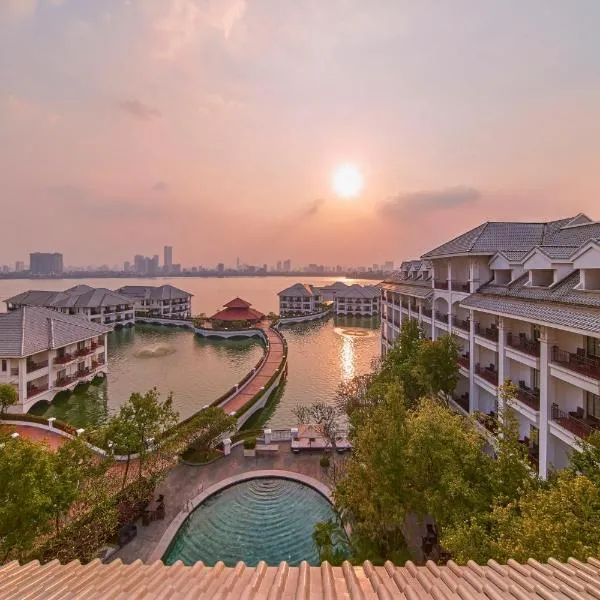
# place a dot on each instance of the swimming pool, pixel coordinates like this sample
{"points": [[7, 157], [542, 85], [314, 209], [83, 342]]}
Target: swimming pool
{"points": [[270, 519]]}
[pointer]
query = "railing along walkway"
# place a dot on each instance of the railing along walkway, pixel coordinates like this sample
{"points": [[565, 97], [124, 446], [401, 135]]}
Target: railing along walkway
{"points": [[265, 372]]}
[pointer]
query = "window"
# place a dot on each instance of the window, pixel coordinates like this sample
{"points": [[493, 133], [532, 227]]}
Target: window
{"points": [[593, 347], [3, 365], [592, 406]]}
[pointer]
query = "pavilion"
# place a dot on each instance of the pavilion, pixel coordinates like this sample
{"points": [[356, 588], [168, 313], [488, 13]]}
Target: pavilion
{"points": [[237, 310]]}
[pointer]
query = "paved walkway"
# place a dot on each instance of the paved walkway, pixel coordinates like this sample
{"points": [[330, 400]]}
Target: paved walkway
{"points": [[266, 371], [184, 483], [54, 440]]}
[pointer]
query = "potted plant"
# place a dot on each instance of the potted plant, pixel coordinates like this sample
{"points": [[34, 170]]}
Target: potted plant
{"points": [[250, 447], [324, 462]]}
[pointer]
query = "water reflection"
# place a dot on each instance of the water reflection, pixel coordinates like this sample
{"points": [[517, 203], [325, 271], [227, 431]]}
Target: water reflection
{"points": [[347, 358]]}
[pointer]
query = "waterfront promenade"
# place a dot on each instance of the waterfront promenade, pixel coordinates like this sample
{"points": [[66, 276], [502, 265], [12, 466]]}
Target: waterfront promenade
{"points": [[272, 362]]}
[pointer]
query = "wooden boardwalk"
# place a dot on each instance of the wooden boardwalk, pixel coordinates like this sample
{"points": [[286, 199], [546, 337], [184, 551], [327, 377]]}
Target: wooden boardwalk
{"points": [[265, 372]]}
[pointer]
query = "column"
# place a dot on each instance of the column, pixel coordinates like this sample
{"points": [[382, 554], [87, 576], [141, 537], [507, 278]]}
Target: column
{"points": [[546, 398], [450, 306], [473, 389], [267, 433], [22, 381], [227, 446], [503, 370], [399, 309]]}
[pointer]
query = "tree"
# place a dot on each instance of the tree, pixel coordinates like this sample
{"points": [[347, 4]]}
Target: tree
{"points": [[437, 366], [204, 431], [26, 506], [586, 460], [8, 397], [330, 539], [140, 421]]}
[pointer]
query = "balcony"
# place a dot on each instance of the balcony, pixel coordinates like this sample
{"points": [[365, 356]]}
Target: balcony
{"points": [[440, 284], [64, 381], [489, 373], [427, 312], [34, 390], [490, 333], [441, 317], [83, 372], [463, 324], [462, 401], [461, 286], [83, 352], [577, 362], [14, 371], [523, 344], [63, 359], [575, 421], [529, 397], [464, 361], [35, 366]]}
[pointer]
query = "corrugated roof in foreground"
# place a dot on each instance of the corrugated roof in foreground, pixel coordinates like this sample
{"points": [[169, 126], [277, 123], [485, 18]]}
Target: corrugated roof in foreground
{"points": [[573, 580]]}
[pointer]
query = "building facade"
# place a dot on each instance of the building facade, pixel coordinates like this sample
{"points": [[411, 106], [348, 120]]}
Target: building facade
{"points": [[299, 299], [355, 300], [98, 305], [45, 263], [44, 352], [522, 301], [164, 301]]}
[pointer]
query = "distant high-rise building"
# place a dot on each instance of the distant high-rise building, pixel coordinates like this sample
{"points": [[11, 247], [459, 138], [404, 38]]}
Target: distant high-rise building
{"points": [[279, 266], [45, 263], [287, 265], [237, 263], [19, 266], [139, 265], [220, 268], [126, 266], [375, 267], [153, 265], [168, 258], [388, 266]]}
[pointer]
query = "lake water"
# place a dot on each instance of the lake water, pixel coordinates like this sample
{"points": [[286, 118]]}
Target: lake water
{"points": [[321, 353]]}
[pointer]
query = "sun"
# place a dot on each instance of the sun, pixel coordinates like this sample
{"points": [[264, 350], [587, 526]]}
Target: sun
{"points": [[347, 181]]}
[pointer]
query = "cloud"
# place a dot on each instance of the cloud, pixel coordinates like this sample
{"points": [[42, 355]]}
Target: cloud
{"points": [[214, 102], [224, 15], [21, 9], [99, 206], [139, 110], [160, 186], [429, 200], [178, 27]]}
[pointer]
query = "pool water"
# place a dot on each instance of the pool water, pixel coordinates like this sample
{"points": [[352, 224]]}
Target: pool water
{"points": [[270, 519]]}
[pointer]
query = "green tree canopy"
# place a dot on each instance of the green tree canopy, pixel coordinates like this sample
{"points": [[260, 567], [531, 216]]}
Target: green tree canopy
{"points": [[8, 396], [204, 431]]}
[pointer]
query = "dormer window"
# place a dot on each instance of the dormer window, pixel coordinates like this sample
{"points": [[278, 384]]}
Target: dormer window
{"points": [[425, 274], [541, 277], [502, 276], [590, 280]]}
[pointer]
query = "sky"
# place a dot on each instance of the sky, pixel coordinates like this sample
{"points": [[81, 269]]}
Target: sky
{"points": [[215, 126]]}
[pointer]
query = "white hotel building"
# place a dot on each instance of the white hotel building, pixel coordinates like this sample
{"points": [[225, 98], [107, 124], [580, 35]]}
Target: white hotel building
{"points": [[522, 300], [299, 299], [44, 352], [164, 301]]}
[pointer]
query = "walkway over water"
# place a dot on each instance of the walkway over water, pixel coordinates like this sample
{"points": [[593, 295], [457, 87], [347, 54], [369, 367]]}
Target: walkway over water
{"points": [[267, 369]]}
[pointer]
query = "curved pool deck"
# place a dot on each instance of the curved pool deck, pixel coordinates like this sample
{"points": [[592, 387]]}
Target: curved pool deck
{"points": [[185, 483], [179, 520]]}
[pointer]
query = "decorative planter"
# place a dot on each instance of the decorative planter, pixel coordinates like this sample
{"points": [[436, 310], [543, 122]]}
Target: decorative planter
{"points": [[250, 453]]}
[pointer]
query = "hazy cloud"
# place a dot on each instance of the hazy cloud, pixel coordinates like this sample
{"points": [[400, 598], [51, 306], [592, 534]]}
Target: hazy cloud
{"points": [[313, 208], [160, 186], [429, 200], [139, 110], [20, 9], [214, 102]]}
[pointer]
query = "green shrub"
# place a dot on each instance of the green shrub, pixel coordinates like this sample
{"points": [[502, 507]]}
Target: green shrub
{"points": [[324, 462], [250, 443]]}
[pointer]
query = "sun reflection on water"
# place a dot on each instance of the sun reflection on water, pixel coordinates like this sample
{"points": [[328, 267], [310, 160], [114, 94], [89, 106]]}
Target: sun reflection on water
{"points": [[347, 358]]}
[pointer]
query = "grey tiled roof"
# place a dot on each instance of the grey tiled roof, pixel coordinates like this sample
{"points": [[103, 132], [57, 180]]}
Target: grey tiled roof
{"points": [[80, 296], [151, 292], [409, 288], [34, 329], [583, 319], [298, 289], [492, 237], [563, 292]]}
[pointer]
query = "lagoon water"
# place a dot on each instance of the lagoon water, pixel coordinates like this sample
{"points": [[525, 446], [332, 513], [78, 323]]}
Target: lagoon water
{"points": [[321, 353]]}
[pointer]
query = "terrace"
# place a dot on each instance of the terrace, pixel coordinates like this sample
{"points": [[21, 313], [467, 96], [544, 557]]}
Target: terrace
{"points": [[575, 421], [528, 396], [461, 286], [464, 360], [35, 365], [523, 343], [490, 333], [463, 324], [489, 373], [440, 284], [579, 362]]}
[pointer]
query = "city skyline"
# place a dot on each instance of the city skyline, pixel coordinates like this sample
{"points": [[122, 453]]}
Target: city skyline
{"points": [[224, 124]]}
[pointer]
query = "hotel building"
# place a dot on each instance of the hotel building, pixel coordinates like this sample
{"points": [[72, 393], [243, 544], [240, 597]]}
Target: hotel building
{"points": [[357, 300], [522, 301], [97, 305], [165, 301], [299, 299], [43, 352]]}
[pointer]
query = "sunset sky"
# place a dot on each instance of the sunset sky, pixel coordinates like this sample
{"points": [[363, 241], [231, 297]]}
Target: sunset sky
{"points": [[216, 125]]}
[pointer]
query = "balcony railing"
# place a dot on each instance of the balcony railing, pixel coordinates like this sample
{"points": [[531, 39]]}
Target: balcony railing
{"points": [[578, 362], [427, 312], [487, 373], [523, 343], [64, 381], [490, 333], [63, 359], [36, 366], [83, 372], [529, 397], [464, 361], [461, 286], [14, 371], [440, 284], [460, 323], [83, 351], [462, 401], [405, 305], [34, 390], [575, 421], [441, 317]]}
